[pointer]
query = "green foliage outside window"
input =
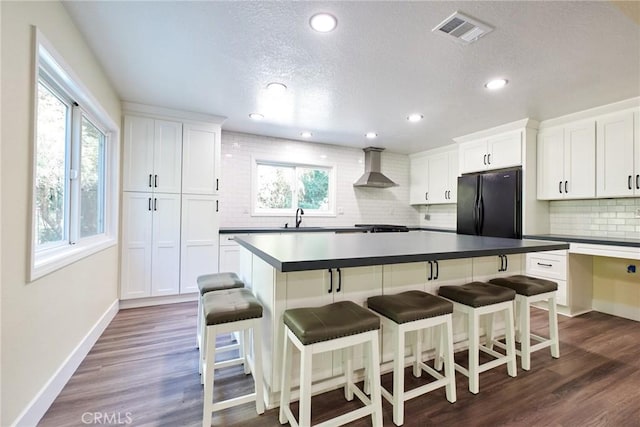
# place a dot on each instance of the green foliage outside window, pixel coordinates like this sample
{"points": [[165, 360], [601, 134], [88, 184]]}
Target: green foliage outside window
{"points": [[287, 187]]}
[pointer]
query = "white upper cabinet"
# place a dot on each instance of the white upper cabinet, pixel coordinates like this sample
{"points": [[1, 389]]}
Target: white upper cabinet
{"points": [[618, 156], [494, 152], [434, 177], [566, 162], [200, 159], [152, 155]]}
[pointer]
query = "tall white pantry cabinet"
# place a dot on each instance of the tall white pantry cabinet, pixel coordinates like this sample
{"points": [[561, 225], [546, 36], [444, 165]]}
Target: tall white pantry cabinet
{"points": [[171, 168]]}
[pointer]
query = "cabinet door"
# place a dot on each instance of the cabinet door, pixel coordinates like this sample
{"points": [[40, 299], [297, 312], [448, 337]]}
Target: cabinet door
{"points": [[199, 240], [137, 162], [418, 179], [167, 156], [165, 258], [201, 151], [438, 181], [614, 155], [504, 150], [580, 160], [135, 278], [453, 176], [550, 164], [473, 156]]}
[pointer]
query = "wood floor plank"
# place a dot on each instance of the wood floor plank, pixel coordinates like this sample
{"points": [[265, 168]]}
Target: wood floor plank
{"points": [[146, 365]]}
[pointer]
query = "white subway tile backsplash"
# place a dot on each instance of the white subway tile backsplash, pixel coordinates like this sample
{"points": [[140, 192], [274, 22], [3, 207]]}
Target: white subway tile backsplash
{"points": [[598, 218], [359, 205]]}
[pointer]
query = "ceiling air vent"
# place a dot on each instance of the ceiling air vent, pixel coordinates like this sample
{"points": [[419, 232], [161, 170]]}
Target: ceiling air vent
{"points": [[462, 28]]}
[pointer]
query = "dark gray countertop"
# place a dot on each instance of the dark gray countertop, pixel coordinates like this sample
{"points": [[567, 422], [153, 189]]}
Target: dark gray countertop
{"points": [[611, 241], [312, 251]]}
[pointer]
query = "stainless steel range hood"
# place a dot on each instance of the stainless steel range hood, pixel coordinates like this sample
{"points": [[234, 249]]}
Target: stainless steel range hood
{"points": [[372, 176]]}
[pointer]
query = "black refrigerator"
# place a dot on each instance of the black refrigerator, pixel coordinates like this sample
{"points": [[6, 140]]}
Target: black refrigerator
{"points": [[490, 204]]}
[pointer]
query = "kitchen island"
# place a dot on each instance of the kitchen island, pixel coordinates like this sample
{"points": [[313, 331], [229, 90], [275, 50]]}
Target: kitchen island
{"points": [[298, 270]]}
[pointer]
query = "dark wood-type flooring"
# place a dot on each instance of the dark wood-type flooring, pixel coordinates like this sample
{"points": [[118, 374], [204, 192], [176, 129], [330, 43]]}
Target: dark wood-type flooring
{"points": [[144, 369]]}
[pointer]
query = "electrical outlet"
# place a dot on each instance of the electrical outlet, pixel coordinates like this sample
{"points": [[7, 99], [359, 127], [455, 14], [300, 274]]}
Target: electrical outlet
{"points": [[340, 211], [427, 217], [638, 213]]}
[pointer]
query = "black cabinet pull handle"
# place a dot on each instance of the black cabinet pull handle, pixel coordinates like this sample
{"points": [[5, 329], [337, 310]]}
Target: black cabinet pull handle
{"points": [[430, 271], [484, 160], [506, 263], [155, 181], [501, 263], [155, 204], [545, 265], [437, 270], [150, 180], [560, 187], [149, 203], [637, 182], [217, 205], [330, 280], [339, 280], [426, 195], [216, 184], [565, 186], [489, 158], [629, 182]]}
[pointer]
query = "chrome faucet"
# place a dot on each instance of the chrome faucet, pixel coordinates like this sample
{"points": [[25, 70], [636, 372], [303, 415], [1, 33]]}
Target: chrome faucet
{"points": [[299, 218]]}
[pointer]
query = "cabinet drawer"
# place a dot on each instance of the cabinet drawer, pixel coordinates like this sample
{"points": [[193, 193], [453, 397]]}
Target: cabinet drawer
{"points": [[227, 239], [546, 265]]}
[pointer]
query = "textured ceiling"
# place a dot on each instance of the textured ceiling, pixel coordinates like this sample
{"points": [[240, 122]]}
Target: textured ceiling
{"points": [[380, 64]]}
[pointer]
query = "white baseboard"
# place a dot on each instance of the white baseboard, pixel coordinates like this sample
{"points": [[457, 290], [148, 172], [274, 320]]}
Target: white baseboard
{"points": [[620, 310], [147, 302], [36, 409]]}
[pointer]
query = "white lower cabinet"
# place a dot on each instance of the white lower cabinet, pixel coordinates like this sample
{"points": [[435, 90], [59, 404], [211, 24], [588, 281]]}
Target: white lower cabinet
{"points": [[491, 267], [229, 254], [550, 265], [150, 245], [199, 243]]}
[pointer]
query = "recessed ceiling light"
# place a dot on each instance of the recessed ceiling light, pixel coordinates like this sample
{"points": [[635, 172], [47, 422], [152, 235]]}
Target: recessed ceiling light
{"points": [[256, 116], [371, 135], [415, 117], [306, 134], [275, 87], [323, 22], [496, 84]]}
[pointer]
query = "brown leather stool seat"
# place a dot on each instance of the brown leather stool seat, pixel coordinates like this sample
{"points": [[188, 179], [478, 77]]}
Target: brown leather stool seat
{"points": [[230, 305], [477, 294], [218, 282], [525, 285], [340, 319], [409, 306]]}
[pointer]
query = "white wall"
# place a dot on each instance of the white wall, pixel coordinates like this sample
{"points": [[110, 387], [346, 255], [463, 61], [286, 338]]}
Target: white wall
{"points": [[42, 321], [438, 216], [360, 205], [600, 218]]}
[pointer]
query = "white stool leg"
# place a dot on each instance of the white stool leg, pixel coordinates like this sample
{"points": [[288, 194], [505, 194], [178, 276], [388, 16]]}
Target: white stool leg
{"points": [[257, 365], [446, 340], [440, 349], [304, 419], [553, 327], [474, 357], [488, 330], [203, 349], [516, 315], [285, 382], [374, 369], [398, 377], [347, 366], [510, 341], [525, 333], [417, 353], [208, 374], [245, 338], [199, 323]]}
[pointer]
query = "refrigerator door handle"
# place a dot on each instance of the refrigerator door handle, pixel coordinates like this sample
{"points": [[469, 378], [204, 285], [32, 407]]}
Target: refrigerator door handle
{"points": [[480, 215]]}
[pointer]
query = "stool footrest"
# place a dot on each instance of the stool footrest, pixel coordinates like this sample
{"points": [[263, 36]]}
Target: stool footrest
{"points": [[229, 403], [347, 418]]}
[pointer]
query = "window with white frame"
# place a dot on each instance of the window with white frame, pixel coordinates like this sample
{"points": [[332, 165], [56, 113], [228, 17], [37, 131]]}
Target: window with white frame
{"points": [[281, 188], [75, 168]]}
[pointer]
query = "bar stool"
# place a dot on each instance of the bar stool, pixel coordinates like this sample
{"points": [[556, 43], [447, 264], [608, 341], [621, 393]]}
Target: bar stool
{"points": [[413, 311], [475, 299], [336, 326], [229, 311], [212, 283], [529, 290]]}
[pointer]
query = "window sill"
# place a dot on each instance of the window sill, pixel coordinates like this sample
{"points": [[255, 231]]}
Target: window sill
{"points": [[51, 261], [293, 214]]}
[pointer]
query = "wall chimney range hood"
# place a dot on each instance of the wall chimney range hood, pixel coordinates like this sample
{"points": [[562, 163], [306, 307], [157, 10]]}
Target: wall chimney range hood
{"points": [[372, 176]]}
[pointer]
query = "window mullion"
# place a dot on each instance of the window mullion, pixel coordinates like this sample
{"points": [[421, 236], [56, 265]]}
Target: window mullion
{"points": [[74, 175]]}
